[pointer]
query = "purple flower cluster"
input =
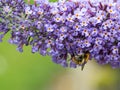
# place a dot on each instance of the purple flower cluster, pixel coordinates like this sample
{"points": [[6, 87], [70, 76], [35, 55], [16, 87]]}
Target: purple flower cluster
{"points": [[64, 28]]}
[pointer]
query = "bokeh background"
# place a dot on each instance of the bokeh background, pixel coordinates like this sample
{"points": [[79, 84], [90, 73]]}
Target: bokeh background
{"points": [[27, 71]]}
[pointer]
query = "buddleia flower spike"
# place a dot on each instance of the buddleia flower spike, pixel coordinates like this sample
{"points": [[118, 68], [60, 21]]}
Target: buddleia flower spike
{"points": [[81, 29]]}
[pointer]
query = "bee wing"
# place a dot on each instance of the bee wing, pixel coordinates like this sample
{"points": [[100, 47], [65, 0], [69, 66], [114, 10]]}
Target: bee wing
{"points": [[87, 56]]}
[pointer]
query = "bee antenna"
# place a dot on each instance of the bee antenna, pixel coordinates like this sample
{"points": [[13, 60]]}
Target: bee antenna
{"points": [[86, 51]]}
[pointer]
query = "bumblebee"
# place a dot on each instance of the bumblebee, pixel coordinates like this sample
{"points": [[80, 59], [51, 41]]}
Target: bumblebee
{"points": [[81, 59]]}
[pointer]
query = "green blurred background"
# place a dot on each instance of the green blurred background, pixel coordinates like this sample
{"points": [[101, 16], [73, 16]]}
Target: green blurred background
{"points": [[27, 71]]}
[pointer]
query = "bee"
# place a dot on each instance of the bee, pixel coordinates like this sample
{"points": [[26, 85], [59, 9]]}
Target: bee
{"points": [[81, 59]]}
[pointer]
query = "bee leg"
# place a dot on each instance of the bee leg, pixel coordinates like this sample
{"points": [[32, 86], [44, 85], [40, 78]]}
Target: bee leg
{"points": [[82, 67]]}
